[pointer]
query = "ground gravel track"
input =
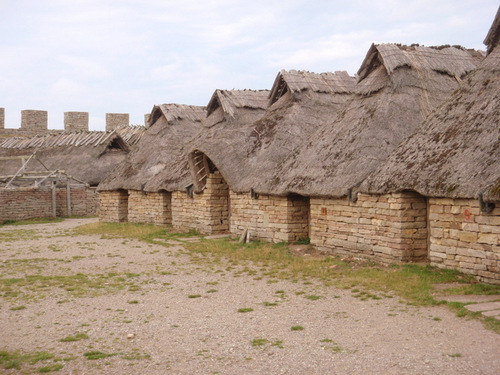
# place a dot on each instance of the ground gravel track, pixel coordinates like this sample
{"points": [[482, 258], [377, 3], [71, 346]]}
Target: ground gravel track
{"points": [[176, 315]]}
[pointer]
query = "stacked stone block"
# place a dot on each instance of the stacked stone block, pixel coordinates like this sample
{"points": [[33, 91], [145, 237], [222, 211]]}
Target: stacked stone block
{"points": [[116, 120], [34, 122], [2, 118], [388, 228], [207, 212], [270, 218], [113, 206], [74, 121], [27, 203], [146, 207], [464, 238]]}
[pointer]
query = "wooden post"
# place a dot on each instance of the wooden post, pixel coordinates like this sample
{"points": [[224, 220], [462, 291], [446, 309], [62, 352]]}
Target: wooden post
{"points": [[68, 196], [54, 198]]}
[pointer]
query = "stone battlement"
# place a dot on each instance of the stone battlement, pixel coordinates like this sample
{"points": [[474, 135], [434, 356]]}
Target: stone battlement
{"points": [[35, 122]]}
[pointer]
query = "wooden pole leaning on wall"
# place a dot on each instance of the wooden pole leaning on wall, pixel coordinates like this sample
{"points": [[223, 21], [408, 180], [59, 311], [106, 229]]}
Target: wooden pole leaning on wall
{"points": [[54, 198], [68, 195]]}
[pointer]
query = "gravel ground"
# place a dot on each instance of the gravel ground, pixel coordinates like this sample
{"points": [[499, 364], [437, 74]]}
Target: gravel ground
{"points": [[177, 315]]}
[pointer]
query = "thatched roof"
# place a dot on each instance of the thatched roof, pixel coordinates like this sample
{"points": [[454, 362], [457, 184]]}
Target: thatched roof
{"points": [[225, 139], [301, 103], [493, 38], [398, 86], [85, 155], [159, 161], [456, 151]]}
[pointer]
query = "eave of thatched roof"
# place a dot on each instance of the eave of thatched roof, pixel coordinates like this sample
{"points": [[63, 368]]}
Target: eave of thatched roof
{"points": [[493, 37], [389, 103], [456, 151], [294, 81], [232, 100], [159, 161]]}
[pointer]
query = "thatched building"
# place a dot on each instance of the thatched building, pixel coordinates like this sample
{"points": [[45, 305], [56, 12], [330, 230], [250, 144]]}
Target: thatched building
{"points": [[453, 159], [140, 188], [218, 151], [299, 103], [398, 86]]}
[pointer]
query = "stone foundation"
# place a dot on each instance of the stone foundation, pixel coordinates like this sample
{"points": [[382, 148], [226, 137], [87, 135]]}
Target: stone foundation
{"points": [[464, 238], [270, 218], [388, 228], [145, 207], [207, 212], [113, 206]]}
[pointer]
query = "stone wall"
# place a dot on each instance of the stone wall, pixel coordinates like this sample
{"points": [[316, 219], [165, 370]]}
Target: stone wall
{"points": [[464, 238], [116, 120], [145, 207], [26, 203], [387, 228], [74, 121], [34, 122], [270, 218], [207, 212], [113, 206], [2, 118]]}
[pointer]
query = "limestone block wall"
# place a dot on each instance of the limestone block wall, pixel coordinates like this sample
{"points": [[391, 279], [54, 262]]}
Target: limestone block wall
{"points": [[34, 122], [116, 120], [27, 203], [270, 218], [113, 206], [464, 238], [207, 212], [2, 118], [388, 228], [74, 121], [146, 207]]}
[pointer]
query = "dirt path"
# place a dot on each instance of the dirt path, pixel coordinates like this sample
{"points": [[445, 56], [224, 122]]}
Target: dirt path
{"points": [[158, 310]]}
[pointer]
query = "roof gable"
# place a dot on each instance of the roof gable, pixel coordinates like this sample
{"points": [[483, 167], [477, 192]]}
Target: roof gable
{"points": [[296, 81], [230, 100], [452, 60]]}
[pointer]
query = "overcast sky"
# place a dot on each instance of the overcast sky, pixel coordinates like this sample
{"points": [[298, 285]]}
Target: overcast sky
{"points": [[124, 56]]}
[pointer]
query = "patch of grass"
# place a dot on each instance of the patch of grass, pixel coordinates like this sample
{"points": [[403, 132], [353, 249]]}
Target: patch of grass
{"points": [[96, 354], [50, 368], [260, 342], [15, 360], [265, 303], [17, 308], [313, 297], [455, 355], [212, 291], [133, 302], [297, 328], [194, 296], [245, 310], [76, 337], [42, 220]]}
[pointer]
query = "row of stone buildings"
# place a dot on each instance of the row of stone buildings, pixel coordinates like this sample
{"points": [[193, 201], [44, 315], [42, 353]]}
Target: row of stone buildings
{"points": [[397, 164]]}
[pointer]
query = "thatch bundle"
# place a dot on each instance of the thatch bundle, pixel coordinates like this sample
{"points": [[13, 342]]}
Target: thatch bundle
{"points": [[398, 86], [159, 161], [456, 151]]}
